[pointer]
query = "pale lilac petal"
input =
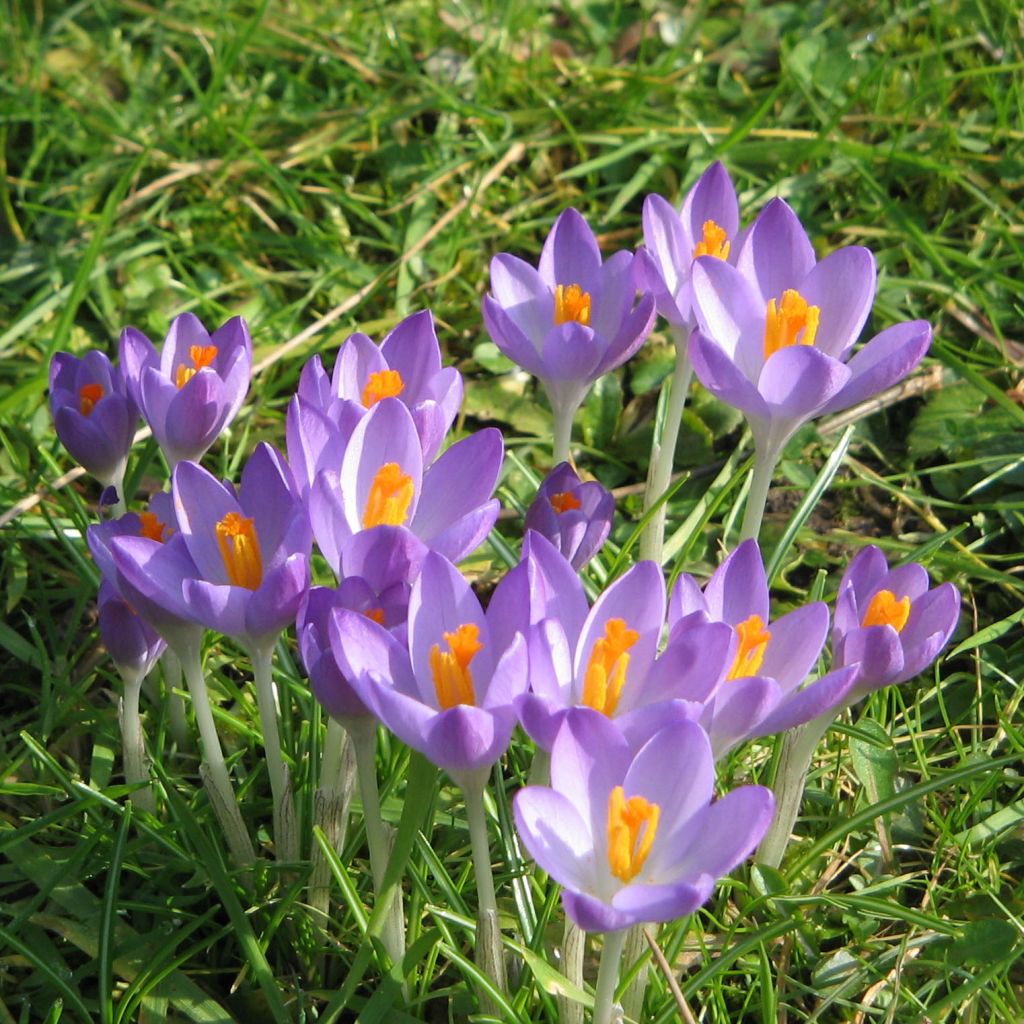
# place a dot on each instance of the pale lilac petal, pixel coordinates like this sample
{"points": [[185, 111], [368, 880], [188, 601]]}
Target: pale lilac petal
{"points": [[592, 915], [185, 331], [328, 516], [464, 738], [509, 679], [135, 354], [275, 603], [713, 197], [555, 836], [692, 665], [571, 352], [631, 335], [686, 599], [195, 417], [830, 693], [798, 381], [735, 711], [361, 648], [570, 254], [738, 588], [776, 253], [727, 832], [509, 337], [655, 904], [720, 375], [842, 286], [413, 350], [555, 587], [217, 606], [359, 357], [525, 298], [796, 641], [200, 502], [614, 296]]}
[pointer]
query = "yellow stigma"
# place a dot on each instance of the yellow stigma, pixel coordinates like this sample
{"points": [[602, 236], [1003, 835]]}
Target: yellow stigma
{"points": [[792, 322], [453, 681], [572, 303], [240, 549], [564, 501], [632, 826], [714, 243], [390, 497], [88, 396], [606, 670], [753, 643], [885, 610], [385, 384], [201, 355], [376, 615], [152, 527]]}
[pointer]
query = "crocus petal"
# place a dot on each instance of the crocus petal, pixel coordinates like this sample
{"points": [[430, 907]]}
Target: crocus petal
{"points": [[135, 354], [555, 835], [465, 738], [736, 709], [195, 416], [185, 331], [218, 606], [570, 254], [592, 915], [776, 253], [796, 642], [713, 197], [798, 381], [361, 649], [829, 694], [571, 352], [842, 286], [727, 307], [200, 502], [692, 665], [413, 350], [510, 338], [276, 602], [630, 336], [738, 588], [721, 376], [359, 357], [614, 295], [519, 290], [658, 903]]}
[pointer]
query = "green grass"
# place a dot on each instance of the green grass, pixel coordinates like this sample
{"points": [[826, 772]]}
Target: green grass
{"points": [[337, 167]]}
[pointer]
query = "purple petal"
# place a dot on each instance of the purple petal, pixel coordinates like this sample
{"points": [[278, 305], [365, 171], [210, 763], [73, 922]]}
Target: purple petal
{"points": [[136, 353], [555, 835], [796, 642], [509, 337], [658, 903], [200, 503], [713, 197], [630, 336], [275, 604], [465, 738], [842, 286], [524, 298], [218, 606], [776, 254], [571, 352], [723, 378], [727, 832], [359, 357], [570, 254], [829, 694], [738, 588], [195, 417], [798, 381], [413, 350], [592, 915]]}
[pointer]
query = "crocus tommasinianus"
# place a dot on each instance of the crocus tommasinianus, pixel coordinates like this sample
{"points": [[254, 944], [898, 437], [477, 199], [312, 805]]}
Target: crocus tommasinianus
{"points": [[380, 566], [575, 515], [603, 657], [406, 365], [633, 835], [191, 390], [706, 225], [448, 691], [889, 621], [776, 330], [761, 692], [93, 413], [571, 319], [379, 478], [133, 645]]}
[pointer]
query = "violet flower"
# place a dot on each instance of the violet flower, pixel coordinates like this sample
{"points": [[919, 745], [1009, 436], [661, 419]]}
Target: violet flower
{"points": [[889, 622], [571, 319], [575, 516], [406, 365], [379, 478], [776, 332], [133, 645], [630, 841], [93, 413], [191, 390]]}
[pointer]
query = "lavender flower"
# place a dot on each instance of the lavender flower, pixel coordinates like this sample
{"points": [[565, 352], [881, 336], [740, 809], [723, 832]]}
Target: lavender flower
{"points": [[193, 389], [575, 516], [133, 645]]}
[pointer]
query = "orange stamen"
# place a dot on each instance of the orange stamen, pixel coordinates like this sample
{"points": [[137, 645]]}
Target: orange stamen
{"points": [[201, 356], [885, 610], [572, 303], [376, 614], [240, 549], [606, 670], [753, 643], [152, 527], [632, 826], [385, 384], [88, 396], [390, 497], [791, 322], [564, 501], [453, 681], [714, 243]]}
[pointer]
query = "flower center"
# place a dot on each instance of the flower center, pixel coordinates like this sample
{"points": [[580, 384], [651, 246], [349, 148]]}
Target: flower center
{"points": [[88, 396], [632, 826], [453, 681], [201, 355], [753, 643], [791, 322], [564, 501], [240, 549], [714, 243], [385, 384], [376, 615], [572, 303], [885, 610], [152, 527], [606, 670], [390, 496]]}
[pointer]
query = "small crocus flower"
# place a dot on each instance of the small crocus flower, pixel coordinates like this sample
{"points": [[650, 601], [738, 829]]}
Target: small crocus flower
{"points": [[576, 516], [133, 645], [406, 365], [629, 841], [93, 413], [190, 391], [706, 225], [379, 478], [889, 622], [448, 691], [776, 330], [762, 691], [571, 319]]}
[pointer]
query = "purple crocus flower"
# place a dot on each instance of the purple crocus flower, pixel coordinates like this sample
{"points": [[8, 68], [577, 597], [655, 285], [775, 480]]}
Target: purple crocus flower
{"points": [[889, 621], [575, 516], [761, 691], [406, 366], [93, 413], [776, 330], [191, 390], [706, 225], [379, 478], [133, 645], [380, 566], [630, 841], [570, 320], [448, 691]]}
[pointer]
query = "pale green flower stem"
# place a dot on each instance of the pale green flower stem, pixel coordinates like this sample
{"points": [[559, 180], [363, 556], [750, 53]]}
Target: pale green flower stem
{"points": [[757, 496], [131, 739], [116, 480], [363, 733], [797, 750], [175, 705], [636, 947], [663, 448], [489, 956], [562, 432], [608, 977], [573, 948], [337, 769], [286, 839], [214, 771]]}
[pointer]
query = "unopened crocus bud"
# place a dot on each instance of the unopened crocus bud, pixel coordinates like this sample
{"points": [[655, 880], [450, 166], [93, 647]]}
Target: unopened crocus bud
{"points": [[575, 515]]}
